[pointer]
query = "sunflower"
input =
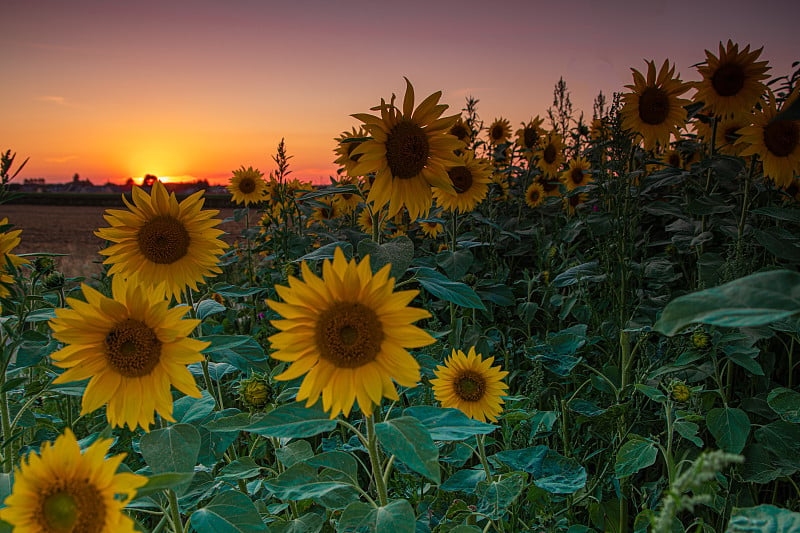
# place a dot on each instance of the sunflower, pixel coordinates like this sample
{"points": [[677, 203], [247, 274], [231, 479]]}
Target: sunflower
{"points": [[534, 194], [323, 210], [577, 174], [346, 143], [776, 142], [347, 332], [471, 384], [346, 202], [732, 83], [163, 242], [598, 130], [571, 203], [499, 131], [550, 154], [528, 137], [409, 152], [8, 241], [430, 228], [654, 109], [470, 182], [131, 348], [672, 157], [461, 131], [247, 186], [727, 133], [365, 221], [62, 489]]}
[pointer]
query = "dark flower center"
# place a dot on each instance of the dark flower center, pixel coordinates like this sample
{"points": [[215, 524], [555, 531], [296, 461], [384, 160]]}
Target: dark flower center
{"points": [[460, 131], [674, 159], [461, 178], [497, 132], [549, 154], [349, 335], [728, 79], [132, 348], [530, 137], [782, 137], [407, 150], [653, 106], [163, 240], [577, 176], [732, 134], [247, 185], [470, 386], [68, 506]]}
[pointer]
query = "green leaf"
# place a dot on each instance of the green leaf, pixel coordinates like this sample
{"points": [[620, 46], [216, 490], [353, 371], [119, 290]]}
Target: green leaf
{"points": [[584, 272], [241, 351], [229, 512], [242, 468], [783, 439], [777, 245], [168, 480], [397, 516], [455, 264], [171, 449], [450, 291], [327, 251], [234, 291], [753, 300], [779, 213], [585, 407], [307, 523], [337, 461], [688, 430], [448, 424], [651, 392], [634, 455], [496, 496], [786, 403], [407, 439], [759, 465], [398, 252], [206, 308], [767, 518], [551, 471], [292, 420], [464, 481], [301, 482], [294, 452], [730, 428]]}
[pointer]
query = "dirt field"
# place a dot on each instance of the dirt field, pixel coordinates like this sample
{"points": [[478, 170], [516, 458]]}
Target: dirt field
{"points": [[70, 230]]}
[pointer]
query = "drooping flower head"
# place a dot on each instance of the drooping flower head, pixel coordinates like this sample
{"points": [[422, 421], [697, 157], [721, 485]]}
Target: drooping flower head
{"points": [[62, 489], [470, 383], [160, 241], [470, 182], [653, 109], [247, 186], [131, 348], [776, 142], [409, 152], [347, 333], [733, 82]]}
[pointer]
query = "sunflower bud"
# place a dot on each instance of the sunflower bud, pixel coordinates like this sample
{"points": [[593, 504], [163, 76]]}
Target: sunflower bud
{"points": [[700, 339], [255, 392], [680, 392], [53, 281], [546, 277], [43, 265]]}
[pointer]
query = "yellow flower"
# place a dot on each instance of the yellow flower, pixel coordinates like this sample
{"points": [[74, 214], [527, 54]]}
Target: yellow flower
{"points": [[534, 195], [732, 83], [348, 141], [347, 333], [680, 392], [431, 229], [324, 210], [8, 241], [777, 143], [470, 182], [654, 109], [409, 152], [471, 384], [365, 220], [598, 131], [346, 202], [162, 242], [550, 154], [577, 174], [62, 489], [247, 186], [700, 339], [131, 348], [499, 131], [528, 137], [727, 133], [461, 131]]}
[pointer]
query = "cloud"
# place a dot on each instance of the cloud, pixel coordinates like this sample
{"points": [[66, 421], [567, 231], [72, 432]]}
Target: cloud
{"points": [[60, 100], [62, 159]]}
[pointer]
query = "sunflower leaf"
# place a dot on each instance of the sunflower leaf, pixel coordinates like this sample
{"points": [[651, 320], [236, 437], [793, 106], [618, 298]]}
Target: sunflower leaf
{"points": [[292, 420], [397, 516], [448, 424], [450, 291], [398, 252], [229, 512], [408, 440]]}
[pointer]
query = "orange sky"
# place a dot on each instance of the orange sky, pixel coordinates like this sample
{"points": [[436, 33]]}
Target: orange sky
{"points": [[113, 90]]}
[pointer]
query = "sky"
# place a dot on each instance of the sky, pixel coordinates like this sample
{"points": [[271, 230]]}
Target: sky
{"points": [[197, 89]]}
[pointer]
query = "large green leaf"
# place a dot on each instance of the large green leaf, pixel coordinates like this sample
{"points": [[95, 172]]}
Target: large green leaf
{"points": [[171, 449], [753, 300], [766, 518], [158, 482], [550, 470], [241, 351], [730, 427], [407, 439], [634, 455], [242, 468], [229, 512], [307, 523], [292, 420], [301, 482], [494, 497], [450, 291], [448, 424], [398, 252], [786, 403], [397, 516], [456, 264], [464, 480]]}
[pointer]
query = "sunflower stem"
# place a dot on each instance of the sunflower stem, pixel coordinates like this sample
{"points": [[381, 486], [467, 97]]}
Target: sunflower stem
{"points": [[482, 456], [175, 512], [375, 460]]}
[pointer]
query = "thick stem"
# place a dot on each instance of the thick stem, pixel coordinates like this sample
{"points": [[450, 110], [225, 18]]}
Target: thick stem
{"points": [[375, 461], [482, 456], [175, 512]]}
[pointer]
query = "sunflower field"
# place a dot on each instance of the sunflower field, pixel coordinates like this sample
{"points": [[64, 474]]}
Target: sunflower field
{"points": [[562, 325]]}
